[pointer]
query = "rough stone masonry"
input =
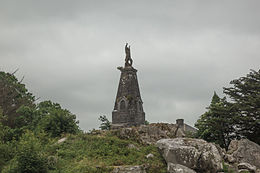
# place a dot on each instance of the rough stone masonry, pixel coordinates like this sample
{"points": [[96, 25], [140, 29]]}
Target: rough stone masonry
{"points": [[128, 109]]}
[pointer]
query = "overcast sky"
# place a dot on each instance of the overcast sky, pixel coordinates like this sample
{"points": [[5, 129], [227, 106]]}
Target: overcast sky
{"points": [[68, 51]]}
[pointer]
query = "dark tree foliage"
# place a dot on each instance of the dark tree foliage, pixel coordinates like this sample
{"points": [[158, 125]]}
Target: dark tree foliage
{"points": [[215, 98], [21, 114], [27, 118], [13, 95], [105, 124], [216, 124], [6, 147], [236, 119], [55, 120], [245, 95]]}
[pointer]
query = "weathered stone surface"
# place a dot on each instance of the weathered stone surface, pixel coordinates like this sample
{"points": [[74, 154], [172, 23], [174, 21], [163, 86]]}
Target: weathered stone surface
{"points": [[246, 166], [149, 134], [230, 158], [245, 151], [243, 171], [149, 156], [129, 169], [195, 154], [62, 140], [177, 168], [132, 146]]}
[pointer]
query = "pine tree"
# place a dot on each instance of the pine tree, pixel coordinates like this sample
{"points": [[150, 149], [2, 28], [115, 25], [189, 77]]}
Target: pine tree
{"points": [[215, 99], [245, 95], [215, 125]]}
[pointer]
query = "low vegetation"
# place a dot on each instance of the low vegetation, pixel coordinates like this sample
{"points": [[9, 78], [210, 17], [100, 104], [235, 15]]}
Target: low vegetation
{"points": [[101, 153], [83, 152]]}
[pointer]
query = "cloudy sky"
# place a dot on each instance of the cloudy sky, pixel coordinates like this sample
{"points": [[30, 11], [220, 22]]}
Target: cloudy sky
{"points": [[68, 51]]}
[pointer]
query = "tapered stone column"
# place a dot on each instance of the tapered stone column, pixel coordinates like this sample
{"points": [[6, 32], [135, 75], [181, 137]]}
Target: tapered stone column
{"points": [[128, 109]]}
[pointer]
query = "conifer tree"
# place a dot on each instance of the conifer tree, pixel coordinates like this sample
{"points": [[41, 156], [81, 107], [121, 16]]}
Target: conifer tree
{"points": [[236, 119], [215, 125], [245, 96]]}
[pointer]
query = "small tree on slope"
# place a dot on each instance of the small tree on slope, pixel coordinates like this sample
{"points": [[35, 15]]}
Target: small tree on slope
{"points": [[215, 125]]}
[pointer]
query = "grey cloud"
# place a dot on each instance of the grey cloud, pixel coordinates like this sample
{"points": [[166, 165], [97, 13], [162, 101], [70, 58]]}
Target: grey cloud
{"points": [[183, 50]]}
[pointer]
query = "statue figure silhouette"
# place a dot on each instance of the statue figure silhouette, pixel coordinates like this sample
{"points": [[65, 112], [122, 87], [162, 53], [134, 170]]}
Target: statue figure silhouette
{"points": [[128, 59]]}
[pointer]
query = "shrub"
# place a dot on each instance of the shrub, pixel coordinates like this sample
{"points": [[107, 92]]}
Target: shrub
{"points": [[30, 156]]}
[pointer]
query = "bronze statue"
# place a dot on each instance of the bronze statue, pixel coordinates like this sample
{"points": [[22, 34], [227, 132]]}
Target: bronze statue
{"points": [[128, 59]]}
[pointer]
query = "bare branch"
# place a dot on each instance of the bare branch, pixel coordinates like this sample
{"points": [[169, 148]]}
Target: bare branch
{"points": [[37, 98], [15, 71], [21, 79]]}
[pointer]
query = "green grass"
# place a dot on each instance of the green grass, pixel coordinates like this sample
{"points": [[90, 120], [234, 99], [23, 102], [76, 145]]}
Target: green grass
{"points": [[101, 153], [227, 169]]}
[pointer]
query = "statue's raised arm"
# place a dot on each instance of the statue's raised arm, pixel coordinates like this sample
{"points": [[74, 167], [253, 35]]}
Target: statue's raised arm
{"points": [[127, 50], [128, 59]]}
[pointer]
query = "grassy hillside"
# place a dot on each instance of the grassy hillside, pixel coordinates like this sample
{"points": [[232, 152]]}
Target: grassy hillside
{"points": [[98, 153]]}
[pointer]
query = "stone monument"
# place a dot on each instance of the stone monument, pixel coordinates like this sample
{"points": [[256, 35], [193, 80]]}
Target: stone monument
{"points": [[128, 109]]}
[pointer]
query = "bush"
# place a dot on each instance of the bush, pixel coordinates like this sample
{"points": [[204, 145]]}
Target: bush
{"points": [[55, 120], [6, 154], [30, 156]]}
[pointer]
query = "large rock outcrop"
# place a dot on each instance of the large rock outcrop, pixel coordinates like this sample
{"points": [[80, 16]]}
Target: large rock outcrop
{"points": [[196, 154], [150, 134], [176, 168], [129, 169], [244, 154]]}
